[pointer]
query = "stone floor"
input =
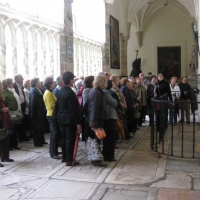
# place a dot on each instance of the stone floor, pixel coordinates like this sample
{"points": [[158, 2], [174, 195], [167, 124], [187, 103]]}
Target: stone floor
{"points": [[138, 174]]}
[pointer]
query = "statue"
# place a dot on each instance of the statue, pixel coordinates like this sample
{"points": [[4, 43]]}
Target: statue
{"points": [[136, 66]]}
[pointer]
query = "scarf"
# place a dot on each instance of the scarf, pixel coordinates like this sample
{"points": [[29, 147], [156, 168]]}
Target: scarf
{"points": [[16, 97]]}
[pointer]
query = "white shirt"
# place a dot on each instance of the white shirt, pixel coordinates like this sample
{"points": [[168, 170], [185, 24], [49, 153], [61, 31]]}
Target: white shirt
{"points": [[21, 96], [26, 93], [176, 91]]}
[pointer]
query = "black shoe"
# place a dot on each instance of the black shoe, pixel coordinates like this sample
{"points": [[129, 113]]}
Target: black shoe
{"points": [[112, 160], [99, 163], [11, 149], [188, 122], [63, 160], [72, 164], [130, 136], [7, 160], [55, 157], [23, 140], [45, 143], [16, 148], [1, 165], [39, 145], [59, 153]]}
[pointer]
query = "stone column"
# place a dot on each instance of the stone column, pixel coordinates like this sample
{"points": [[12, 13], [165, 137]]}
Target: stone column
{"points": [[35, 57], [123, 49], [25, 44], [106, 47], [65, 62], [2, 57], [44, 60], [14, 56]]}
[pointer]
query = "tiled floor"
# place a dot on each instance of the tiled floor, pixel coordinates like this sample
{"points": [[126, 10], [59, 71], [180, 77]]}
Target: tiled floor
{"points": [[138, 174]]}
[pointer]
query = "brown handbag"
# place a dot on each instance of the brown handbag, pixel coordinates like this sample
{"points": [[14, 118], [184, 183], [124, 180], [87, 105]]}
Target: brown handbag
{"points": [[100, 133]]}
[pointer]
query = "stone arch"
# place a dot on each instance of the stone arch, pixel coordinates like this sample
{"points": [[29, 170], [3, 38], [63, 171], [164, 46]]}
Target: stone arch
{"points": [[32, 30], [21, 26], [11, 25]]}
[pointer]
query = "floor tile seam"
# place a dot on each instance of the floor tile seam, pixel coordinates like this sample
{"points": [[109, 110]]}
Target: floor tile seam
{"points": [[131, 187], [138, 139], [21, 164], [24, 187]]}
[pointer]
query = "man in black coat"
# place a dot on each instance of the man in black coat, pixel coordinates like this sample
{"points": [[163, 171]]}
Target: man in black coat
{"points": [[37, 112], [68, 117], [162, 87], [18, 86]]}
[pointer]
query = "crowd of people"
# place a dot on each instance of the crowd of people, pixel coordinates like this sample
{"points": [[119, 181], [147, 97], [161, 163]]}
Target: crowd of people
{"points": [[72, 107]]}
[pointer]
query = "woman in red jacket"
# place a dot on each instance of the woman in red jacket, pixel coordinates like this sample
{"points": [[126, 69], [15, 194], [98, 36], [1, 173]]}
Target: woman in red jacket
{"points": [[4, 144]]}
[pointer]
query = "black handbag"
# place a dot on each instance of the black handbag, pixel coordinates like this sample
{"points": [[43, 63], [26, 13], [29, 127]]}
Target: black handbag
{"points": [[3, 130]]}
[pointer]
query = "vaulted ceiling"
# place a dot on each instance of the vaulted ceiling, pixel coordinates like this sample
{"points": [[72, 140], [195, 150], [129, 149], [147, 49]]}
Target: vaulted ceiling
{"points": [[138, 12]]}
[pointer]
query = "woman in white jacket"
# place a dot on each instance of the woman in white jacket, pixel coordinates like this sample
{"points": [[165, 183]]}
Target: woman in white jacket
{"points": [[173, 110]]}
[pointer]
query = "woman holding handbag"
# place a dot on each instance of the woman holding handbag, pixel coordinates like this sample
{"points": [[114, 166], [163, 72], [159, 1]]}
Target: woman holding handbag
{"points": [[12, 101], [4, 118], [96, 116]]}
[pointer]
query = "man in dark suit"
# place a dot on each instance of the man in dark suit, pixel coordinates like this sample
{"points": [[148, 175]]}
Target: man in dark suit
{"points": [[18, 86]]}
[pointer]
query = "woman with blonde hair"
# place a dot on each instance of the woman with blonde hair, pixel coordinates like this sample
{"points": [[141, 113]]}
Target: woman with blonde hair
{"points": [[96, 116]]}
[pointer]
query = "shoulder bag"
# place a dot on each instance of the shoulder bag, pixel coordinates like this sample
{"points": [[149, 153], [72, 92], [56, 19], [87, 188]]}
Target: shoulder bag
{"points": [[3, 130], [15, 115]]}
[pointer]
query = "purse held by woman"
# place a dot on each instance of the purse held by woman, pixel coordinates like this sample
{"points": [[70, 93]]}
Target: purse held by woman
{"points": [[100, 133], [15, 115], [3, 130], [93, 150]]}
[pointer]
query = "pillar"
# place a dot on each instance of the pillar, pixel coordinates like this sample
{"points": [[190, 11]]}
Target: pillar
{"points": [[123, 50], [66, 63], [106, 47]]}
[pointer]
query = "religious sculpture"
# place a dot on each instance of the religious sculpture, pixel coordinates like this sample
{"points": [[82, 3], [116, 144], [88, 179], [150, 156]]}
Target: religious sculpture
{"points": [[136, 66]]}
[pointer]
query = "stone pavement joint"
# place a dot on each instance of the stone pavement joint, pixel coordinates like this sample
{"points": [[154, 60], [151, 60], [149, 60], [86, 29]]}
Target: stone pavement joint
{"points": [[138, 174]]}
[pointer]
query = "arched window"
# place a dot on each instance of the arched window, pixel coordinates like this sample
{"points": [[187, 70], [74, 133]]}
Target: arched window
{"points": [[28, 50]]}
